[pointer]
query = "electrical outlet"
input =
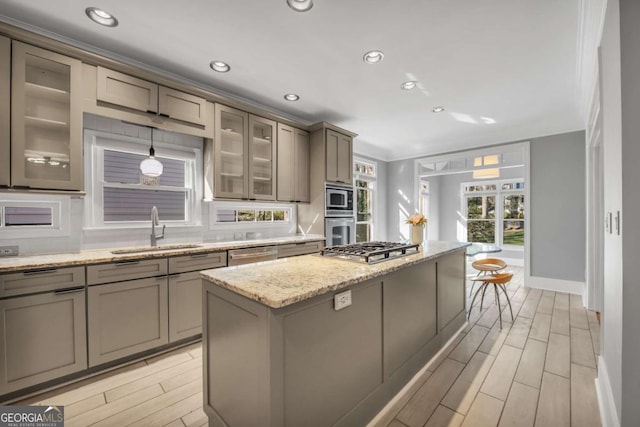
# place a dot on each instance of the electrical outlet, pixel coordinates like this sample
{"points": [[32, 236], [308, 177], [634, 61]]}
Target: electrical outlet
{"points": [[8, 251], [341, 300]]}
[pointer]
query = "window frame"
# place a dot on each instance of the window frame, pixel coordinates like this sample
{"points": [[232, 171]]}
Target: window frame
{"points": [[499, 193], [96, 142], [371, 179], [60, 216]]}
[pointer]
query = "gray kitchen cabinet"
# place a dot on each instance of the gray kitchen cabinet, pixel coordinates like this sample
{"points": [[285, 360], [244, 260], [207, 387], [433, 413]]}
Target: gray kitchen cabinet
{"points": [[231, 178], [46, 119], [185, 292], [5, 111], [42, 337], [126, 318], [293, 164], [300, 248], [262, 158], [410, 320], [451, 288], [131, 92], [126, 270], [41, 280], [339, 157]]}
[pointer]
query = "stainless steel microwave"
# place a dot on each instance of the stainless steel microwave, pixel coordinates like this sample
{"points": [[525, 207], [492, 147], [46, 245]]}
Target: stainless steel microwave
{"points": [[338, 200]]}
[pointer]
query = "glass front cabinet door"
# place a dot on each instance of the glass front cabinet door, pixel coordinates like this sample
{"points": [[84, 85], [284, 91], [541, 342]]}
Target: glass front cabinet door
{"points": [[46, 119], [262, 158], [231, 151]]}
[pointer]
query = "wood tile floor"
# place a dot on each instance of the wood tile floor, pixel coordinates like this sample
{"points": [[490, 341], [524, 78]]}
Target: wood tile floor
{"points": [[536, 371]]}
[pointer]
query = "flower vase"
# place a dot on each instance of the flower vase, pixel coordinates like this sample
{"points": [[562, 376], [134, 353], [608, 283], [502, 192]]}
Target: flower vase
{"points": [[417, 234]]}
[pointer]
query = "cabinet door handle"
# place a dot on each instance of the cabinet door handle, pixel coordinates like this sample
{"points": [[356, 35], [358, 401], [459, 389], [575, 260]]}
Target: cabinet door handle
{"points": [[124, 263], [301, 243], [163, 115], [199, 255], [69, 291], [43, 271]]}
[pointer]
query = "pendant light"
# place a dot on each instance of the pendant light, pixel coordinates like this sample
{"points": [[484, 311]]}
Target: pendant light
{"points": [[150, 166]]}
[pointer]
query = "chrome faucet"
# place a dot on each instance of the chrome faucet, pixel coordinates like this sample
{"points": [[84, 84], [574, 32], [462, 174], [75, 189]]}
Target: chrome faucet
{"points": [[155, 220]]}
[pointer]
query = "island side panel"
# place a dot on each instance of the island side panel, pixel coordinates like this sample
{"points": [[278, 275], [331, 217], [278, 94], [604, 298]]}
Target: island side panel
{"points": [[236, 359], [410, 314], [332, 359], [451, 273]]}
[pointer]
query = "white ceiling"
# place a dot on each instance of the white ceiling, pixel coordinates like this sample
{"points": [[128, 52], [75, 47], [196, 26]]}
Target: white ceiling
{"points": [[505, 70]]}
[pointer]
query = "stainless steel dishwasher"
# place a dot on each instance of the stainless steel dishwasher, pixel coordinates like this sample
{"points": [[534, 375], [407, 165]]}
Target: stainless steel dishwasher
{"points": [[247, 256]]}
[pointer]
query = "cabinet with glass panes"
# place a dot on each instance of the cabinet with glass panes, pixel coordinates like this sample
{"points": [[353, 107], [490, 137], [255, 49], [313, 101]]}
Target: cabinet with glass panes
{"points": [[231, 148], [46, 119], [262, 154]]}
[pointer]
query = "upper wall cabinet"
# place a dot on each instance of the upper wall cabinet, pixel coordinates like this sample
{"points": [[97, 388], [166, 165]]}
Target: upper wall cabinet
{"points": [[138, 94], [262, 158], [339, 157], [293, 164], [231, 152], [46, 119], [5, 115]]}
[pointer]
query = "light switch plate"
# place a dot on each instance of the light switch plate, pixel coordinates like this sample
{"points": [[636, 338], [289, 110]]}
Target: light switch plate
{"points": [[342, 300]]}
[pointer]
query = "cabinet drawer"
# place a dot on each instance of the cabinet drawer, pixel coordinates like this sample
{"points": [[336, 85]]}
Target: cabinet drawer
{"points": [[197, 262], [126, 318], [32, 281], [127, 91], [182, 106], [301, 248], [42, 337], [125, 270]]}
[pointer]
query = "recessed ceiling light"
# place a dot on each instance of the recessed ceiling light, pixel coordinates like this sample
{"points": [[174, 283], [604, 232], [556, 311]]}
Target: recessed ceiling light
{"points": [[409, 85], [291, 97], [219, 66], [101, 17], [373, 57], [438, 110], [300, 5]]}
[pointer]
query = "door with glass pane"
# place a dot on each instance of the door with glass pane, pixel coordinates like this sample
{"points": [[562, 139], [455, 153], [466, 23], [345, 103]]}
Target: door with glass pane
{"points": [[46, 119], [513, 221], [231, 152], [262, 155], [364, 214]]}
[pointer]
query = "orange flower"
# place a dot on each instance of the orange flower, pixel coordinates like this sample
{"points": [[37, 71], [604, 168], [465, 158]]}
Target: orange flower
{"points": [[417, 219]]}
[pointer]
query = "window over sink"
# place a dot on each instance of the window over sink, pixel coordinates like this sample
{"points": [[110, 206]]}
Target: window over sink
{"points": [[117, 198]]}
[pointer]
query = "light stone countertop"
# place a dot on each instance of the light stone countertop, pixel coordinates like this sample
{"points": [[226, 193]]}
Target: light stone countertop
{"points": [[98, 256], [287, 281]]}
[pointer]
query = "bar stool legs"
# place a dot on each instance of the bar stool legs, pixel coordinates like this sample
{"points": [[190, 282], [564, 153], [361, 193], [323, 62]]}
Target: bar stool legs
{"points": [[498, 281]]}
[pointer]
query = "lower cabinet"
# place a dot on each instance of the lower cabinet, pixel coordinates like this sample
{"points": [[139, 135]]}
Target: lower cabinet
{"points": [[126, 318], [42, 337], [185, 305]]}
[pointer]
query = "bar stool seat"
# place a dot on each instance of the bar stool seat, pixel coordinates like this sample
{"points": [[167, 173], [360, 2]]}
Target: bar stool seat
{"points": [[487, 266], [498, 281]]}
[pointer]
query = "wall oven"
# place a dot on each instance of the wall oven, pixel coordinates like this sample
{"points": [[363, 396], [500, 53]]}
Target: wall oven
{"points": [[338, 200], [340, 231]]}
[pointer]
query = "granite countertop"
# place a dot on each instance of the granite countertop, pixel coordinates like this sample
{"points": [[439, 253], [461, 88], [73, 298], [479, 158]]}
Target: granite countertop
{"points": [[98, 256], [289, 280]]}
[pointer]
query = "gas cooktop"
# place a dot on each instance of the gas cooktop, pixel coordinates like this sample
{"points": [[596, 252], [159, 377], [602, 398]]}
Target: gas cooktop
{"points": [[372, 252]]}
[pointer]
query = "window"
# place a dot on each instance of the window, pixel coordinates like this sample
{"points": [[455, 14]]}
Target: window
{"points": [[21, 217], [261, 215], [365, 184], [495, 212], [117, 196], [424, 198]]}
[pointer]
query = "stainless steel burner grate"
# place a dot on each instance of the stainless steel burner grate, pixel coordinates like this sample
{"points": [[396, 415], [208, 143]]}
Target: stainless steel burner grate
{"points": [[372, 252]]}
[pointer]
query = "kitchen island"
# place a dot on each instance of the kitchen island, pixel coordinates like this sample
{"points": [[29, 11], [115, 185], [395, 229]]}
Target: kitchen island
{"points": [[278, 350]]}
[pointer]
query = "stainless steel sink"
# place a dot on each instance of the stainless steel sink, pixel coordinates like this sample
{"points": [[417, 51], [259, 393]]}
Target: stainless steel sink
{"points": [[155, 249]]}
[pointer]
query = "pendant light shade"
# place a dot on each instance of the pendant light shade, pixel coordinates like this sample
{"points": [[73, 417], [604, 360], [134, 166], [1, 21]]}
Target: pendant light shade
{"points": [[150, 166]]}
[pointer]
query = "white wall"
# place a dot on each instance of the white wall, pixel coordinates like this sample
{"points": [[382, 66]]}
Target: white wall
{"points": [[401, 198]]}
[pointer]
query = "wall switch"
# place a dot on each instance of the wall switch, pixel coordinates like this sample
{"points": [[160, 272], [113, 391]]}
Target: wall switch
{"points": [[8, 251], [341, 300]]}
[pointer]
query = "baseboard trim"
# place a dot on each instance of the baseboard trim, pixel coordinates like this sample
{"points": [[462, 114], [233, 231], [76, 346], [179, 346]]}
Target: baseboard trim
{"points": [[608, 413], [556, 285]]}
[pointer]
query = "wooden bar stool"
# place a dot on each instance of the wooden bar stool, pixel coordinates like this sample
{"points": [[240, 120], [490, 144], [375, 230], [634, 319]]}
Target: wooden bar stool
{"points": [[498, 281], [487, 266]]}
